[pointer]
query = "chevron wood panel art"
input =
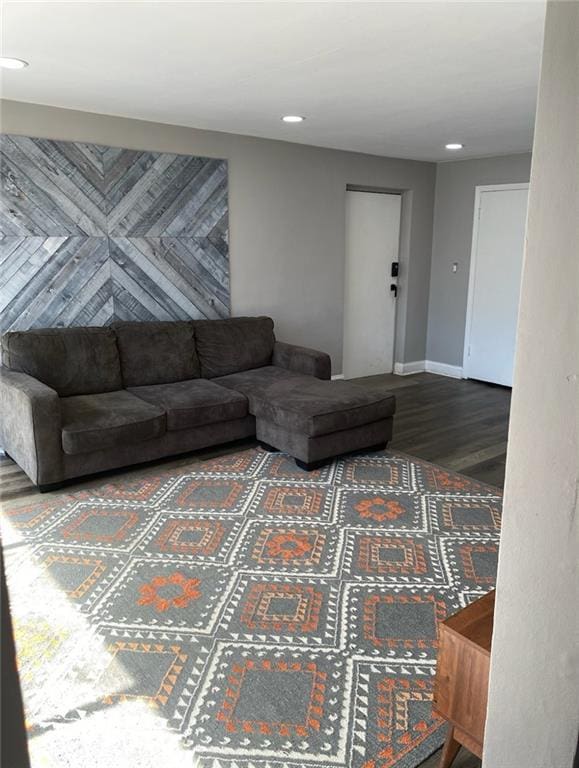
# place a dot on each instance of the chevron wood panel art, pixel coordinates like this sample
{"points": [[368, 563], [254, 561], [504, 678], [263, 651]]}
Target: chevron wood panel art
{"points": [[92, 234]]}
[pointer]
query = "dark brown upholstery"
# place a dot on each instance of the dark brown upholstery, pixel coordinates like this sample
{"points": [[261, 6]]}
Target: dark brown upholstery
{"points": [[157, 353], [318, 407], [72, 361], [167, 444], [236, 344], [256, 383], [302, 360], [94, 422], [193, 403], [30, 426], [321, 447], [187, 385]]}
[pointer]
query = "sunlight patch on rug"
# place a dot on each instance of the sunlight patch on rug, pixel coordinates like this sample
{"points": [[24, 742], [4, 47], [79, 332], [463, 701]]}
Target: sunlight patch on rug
{"points": [[241, 612]]}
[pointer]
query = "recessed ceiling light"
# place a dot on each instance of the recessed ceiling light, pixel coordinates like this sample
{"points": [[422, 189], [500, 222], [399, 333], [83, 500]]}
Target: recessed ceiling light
{"points": [[454, 145], [7, 63], [293, 119]]}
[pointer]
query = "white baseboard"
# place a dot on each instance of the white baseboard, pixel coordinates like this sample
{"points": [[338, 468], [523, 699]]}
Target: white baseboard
{"points": [[443, 369], [405, 369], [431, 366], [420, 366]]}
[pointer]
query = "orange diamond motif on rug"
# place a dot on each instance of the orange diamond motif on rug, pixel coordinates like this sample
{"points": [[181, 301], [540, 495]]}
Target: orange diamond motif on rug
{"points": [[245, 610]]}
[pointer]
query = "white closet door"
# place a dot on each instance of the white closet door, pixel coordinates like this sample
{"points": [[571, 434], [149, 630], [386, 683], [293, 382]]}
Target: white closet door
{"points": [[495, 283]]}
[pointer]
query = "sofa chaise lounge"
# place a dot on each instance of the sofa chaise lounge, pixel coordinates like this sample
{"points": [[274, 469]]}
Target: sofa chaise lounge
{"points": [[76, 401]]}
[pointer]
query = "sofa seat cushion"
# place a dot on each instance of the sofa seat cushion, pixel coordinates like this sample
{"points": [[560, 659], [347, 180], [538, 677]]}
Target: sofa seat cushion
{"points": [[112, 419], [232, 345], [157, 352], [256, 383], [72, 361], [194, 403], [320, 407]]}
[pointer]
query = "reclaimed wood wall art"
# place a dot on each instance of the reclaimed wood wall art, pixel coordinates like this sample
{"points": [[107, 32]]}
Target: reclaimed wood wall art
{"points": [[92, 234]]}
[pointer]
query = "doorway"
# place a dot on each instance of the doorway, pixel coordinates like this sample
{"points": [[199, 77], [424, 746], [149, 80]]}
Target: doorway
{"points": [[495, 282], [372, 245]]}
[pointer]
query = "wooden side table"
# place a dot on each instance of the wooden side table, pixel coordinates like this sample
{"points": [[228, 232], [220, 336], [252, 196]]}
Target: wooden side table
{"points": [[462, 676]]}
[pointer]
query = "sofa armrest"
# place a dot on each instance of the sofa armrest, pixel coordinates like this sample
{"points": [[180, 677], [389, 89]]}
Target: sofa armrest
{"points": [[302, 360], [30, 426]]}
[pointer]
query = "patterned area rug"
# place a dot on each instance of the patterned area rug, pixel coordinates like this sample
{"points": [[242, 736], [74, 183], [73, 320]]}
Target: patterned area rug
{"points": [[241, 613]]}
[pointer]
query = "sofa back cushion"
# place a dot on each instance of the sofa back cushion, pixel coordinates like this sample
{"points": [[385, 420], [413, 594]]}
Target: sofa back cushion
{"points": [[232, 345], [73, 361], [157, 353]]}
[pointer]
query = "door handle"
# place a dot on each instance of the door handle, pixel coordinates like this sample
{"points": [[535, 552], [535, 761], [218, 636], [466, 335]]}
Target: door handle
{"points": [[394, 289]]}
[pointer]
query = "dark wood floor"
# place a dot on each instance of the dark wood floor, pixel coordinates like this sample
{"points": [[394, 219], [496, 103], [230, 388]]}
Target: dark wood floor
{"points": [[458, 424], [461, 425]]}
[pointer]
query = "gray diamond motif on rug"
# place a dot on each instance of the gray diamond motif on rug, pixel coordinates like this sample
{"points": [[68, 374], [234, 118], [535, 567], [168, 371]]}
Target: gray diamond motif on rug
{"points": [[241, 613]]}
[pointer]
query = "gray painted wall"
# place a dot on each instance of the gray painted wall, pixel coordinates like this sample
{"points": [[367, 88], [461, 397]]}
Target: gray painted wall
{"points": [[452, 239], [533, 714], [287, 219]]}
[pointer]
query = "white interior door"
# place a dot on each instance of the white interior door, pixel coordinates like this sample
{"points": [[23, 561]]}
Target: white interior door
{"points": [[495, 282], [372, 243]]}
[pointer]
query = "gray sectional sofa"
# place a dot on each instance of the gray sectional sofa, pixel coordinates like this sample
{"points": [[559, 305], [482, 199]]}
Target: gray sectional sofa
{"points": [[75, 401]]}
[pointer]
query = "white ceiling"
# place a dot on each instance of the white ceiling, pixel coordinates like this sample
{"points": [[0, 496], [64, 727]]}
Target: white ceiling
{"points": [[388, 78]]}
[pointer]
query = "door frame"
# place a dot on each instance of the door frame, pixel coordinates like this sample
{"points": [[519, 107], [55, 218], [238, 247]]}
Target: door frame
{"points": [[479, 190], [403, 257], [403, 261]]}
